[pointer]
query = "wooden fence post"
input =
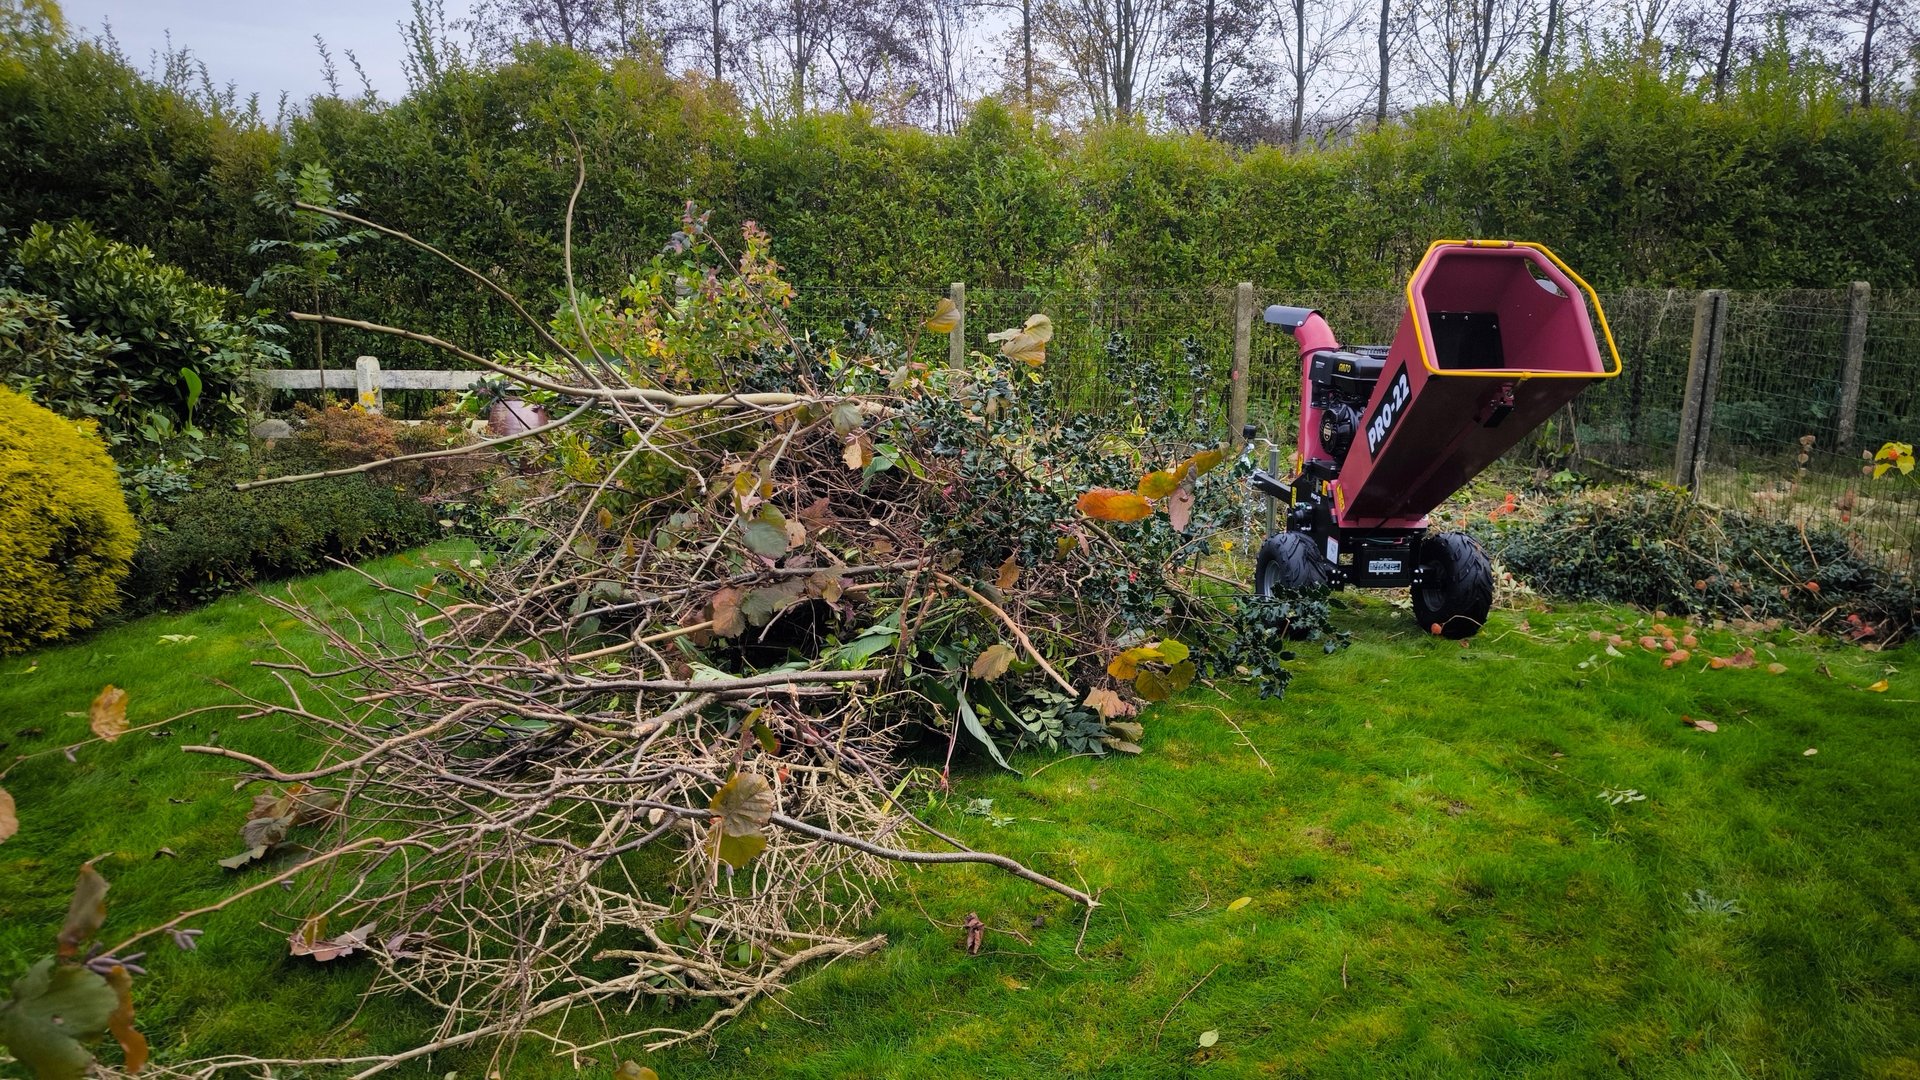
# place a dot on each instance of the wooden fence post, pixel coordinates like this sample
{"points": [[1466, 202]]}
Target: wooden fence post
{"points": [[1703, 378], [366, 383], [957, 337], [1857, 295], [1242, 360]]}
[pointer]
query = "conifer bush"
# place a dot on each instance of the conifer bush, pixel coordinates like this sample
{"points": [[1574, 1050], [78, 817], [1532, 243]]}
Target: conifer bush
{"points": [[66, 536]]}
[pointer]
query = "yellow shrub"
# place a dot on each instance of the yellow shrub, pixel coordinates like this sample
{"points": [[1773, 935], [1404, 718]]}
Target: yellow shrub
{"points": [[66, 538]]}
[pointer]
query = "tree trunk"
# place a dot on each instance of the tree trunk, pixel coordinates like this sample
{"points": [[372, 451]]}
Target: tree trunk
{"points": [[1726, 49], [1866, 56], [1026, 48], [713, 10], [1206, 73], [1380, 102], [1551, 33], [1299, 71]]}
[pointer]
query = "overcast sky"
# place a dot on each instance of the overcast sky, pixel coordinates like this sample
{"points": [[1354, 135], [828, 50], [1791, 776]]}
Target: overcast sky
{"points": [[263, 45]]}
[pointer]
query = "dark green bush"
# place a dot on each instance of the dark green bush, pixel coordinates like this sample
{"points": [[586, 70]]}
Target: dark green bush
{"points": [[65, 533], [181, 352], [216, 539], [1660, 549]]}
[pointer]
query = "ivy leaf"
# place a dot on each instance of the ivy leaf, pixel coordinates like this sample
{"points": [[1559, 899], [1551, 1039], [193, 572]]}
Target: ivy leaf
{"points": [[992, 662], [767, 533], [132, 1043], [1158, 484], [109, 713], [85, 912], [946, 316], [1109, 504], [9, 817], [54, 1009]]}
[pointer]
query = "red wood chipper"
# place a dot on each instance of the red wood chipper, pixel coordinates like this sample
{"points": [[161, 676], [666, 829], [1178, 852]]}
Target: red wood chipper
{"points": [[1495, 337]]}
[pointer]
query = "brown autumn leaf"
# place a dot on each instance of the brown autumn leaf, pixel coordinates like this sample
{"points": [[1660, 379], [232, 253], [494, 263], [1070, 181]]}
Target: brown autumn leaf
{"points": [[109, 713], [85, 912], [1028, 343], [132, 1043], [1700, 725], [1678, 656], [858, 453], [727, 620], [1108, 504], [9, 817], [1108, 704], [1008, 576], [992, 662]]}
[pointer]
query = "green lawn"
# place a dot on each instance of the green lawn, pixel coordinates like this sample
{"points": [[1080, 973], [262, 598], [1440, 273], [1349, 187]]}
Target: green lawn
{"points": [[1434, 887]]}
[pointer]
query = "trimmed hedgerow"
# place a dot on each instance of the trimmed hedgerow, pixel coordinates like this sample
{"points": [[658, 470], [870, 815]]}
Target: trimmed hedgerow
{"points": [[66, 536]]}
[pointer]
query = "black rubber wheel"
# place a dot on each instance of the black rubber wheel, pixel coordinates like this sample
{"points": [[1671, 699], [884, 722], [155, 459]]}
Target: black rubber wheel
{"points": [[1456, 586], [1290, 560]]}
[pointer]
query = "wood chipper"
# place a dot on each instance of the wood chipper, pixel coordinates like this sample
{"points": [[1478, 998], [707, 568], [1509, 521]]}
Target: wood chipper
{"points": [[1496, 336]]}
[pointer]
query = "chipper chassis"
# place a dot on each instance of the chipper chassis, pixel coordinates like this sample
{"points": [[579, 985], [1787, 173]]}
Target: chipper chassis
{"points": [[1496, 336]]}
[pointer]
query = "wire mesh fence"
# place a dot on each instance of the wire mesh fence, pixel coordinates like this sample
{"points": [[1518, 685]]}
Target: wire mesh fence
{"points": [[1776, 446]]}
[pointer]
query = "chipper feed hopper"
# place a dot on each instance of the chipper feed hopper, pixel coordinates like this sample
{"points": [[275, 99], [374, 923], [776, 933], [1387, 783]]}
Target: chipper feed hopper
{"points": [[1496, 336]]}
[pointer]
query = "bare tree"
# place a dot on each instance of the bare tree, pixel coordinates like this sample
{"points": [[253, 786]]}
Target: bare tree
{"points": [[1219, 83], [600, 27], [1313, 45], [1111, 46]]}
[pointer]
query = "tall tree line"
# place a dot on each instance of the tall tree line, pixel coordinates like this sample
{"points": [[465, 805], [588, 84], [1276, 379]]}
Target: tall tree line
{"points": [[1247, 71]]}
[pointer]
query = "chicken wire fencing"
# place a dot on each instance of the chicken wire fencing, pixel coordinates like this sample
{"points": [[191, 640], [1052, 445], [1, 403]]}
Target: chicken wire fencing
{"points": [[1779, 395]]}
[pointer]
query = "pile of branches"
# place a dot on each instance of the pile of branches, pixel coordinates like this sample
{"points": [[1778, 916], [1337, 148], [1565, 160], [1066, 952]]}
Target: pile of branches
{"points": [[750, 591]]}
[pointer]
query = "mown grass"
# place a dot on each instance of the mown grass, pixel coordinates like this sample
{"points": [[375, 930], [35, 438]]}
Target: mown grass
{"points": [[1434, 887]]}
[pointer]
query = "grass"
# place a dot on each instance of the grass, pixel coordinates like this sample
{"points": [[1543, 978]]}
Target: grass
{"points": [[1433, 887]]}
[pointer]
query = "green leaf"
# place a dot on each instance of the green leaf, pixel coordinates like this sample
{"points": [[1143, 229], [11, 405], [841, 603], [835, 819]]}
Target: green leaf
{"points": [[192, 379], [1127, 729], [1180, 675], [1208, 1038], [738, 851], [54, 1009], [766, 534], [846, 417], [744, 805], [245, 857], [1173, 651], [864, 648], [1152, 685], [1240, 903], [761, 605], [971, 722]]}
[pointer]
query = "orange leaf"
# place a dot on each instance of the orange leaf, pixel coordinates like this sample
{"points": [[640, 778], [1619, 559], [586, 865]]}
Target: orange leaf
{"points": [[132, 1043], [1158, 484], [1009, 574], [1107, 504], [9, 817], [1776, 669], [1879, 687], [1435, 629], [109, 713]]}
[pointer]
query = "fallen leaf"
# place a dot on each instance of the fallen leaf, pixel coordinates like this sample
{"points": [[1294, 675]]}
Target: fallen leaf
{"points": [[1879, 687], [976, 933], [1776, 669], [727, 620], [9, 818], [634, 1071], [858, 453], [1808, 752], [85, 912], [1109, 704], [109, 713], [1208, 1038], [1678, 656], [1240, 903], [992, 662], [1008, 575], [1702, 725], [307, 941]]}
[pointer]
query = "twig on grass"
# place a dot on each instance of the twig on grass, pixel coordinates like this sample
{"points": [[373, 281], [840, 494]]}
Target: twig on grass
{"points": [[1158, 1031]]}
